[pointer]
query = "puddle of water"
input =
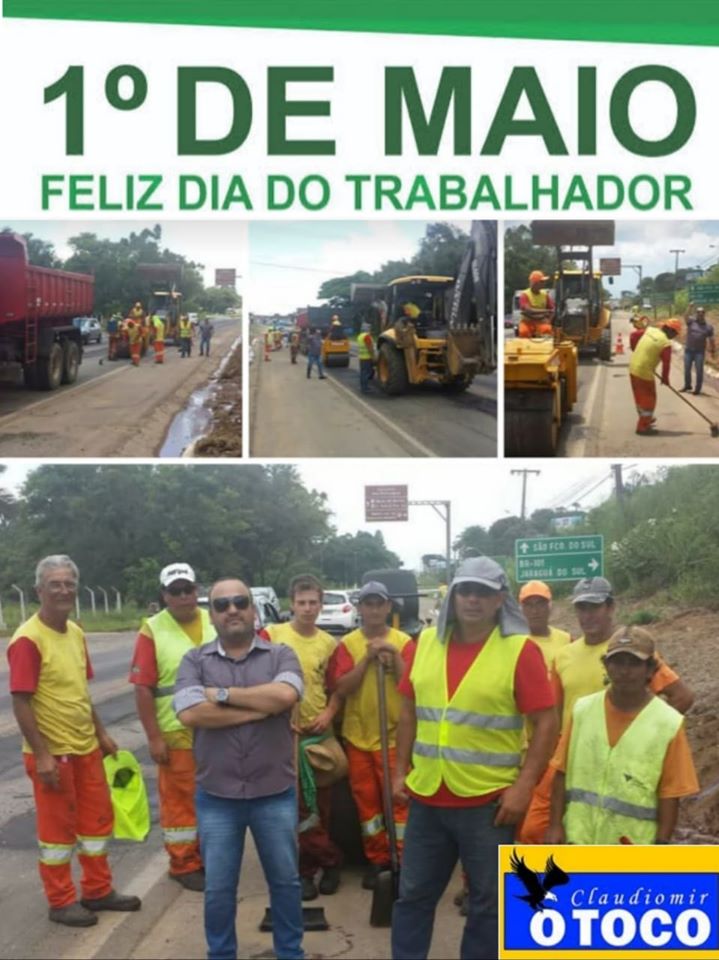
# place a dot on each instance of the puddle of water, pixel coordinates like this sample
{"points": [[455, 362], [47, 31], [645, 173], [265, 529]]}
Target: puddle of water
{"points": [[187, 424]]}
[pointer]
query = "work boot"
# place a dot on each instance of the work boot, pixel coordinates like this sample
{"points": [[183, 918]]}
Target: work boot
{"points": [[323, 377], [191, 881], [330, 880], [119, 902], [685, 390], [369, 880], [309, 890], [73, 915]]}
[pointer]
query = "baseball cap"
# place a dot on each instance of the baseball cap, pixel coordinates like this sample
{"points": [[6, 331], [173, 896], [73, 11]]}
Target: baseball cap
{"points": [[535, 588], [373, 588], [537, 276], [481, 570], [592, 590], [632, 640], [176, 571]]}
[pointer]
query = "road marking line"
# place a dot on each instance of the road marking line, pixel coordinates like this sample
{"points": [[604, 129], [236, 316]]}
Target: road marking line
{"points": [[578, 448], [94, 940], [424, 451], [9, 417]]}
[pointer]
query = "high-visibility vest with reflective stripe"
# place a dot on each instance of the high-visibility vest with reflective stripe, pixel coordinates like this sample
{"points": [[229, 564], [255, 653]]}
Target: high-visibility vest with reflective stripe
{"points": [[471, 741], [171, 645], [612, 791], [538, 300], [363, 351]]}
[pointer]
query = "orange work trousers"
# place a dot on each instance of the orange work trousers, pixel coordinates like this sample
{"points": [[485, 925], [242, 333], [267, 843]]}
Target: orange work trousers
{"points": [[176, 788], [365, 776], [539, 329], [536, 819], [159, 346], [136, 352], [645, 399], [77, 814]]}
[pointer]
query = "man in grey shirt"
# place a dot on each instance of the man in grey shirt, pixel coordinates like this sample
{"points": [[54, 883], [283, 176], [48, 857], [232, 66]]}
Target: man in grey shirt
{"points": [[314, 354], [237, 693], [699, 334]]}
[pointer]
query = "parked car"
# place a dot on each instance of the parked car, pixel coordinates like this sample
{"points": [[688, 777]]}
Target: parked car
{"points": [[338, 614], [90, 329], [265, 611], [266, 593]]}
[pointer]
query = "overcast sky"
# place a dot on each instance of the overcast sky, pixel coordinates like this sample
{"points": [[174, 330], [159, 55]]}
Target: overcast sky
{"points": [[479, 492], [289, 261], [648, 243], [216, 244]]}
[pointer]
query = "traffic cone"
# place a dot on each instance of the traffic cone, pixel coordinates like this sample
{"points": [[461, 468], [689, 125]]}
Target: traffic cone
{"points": [[619, 347]]}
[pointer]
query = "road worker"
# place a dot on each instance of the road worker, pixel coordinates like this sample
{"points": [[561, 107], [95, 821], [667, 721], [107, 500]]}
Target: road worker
{"points": [[162, 642], [134, 339], [624, 759], [535, 599], [640, 324], [471, 681], [185, 333], [157, 325], [579, 671], [700, 335], [317, 710], [655, 345], [367, 356], [294, 345], [113, 335], [354, 673], [137, 312], [63, 745], [536, 307]]}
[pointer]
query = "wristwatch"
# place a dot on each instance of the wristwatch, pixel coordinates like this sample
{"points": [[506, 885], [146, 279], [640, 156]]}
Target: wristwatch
{"points": [[222, 695]]}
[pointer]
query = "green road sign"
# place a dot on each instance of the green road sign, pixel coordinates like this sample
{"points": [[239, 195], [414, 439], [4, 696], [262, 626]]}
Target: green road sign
{"points": [[704, 292], [559, 558]]}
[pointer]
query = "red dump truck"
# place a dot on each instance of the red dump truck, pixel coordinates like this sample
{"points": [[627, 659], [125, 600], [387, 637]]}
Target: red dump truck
{"points": [[37, 306]]}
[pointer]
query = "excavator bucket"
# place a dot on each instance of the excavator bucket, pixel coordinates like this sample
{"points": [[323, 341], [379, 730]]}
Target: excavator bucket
{"points": [[465, 356]]}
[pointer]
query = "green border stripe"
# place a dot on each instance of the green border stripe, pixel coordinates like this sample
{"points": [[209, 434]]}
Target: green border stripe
{"points": [[693, 22]]}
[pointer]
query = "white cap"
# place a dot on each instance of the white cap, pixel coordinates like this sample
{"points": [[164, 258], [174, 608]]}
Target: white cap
{"points": [[177, 571]]}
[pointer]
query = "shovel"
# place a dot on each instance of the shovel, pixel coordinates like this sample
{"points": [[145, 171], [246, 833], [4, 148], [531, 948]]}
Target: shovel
{"points": [[713, 427], [386, 890]]}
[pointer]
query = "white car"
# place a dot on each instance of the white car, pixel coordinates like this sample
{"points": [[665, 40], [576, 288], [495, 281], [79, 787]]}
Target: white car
{"points": [[265, 593], [338, 614]]}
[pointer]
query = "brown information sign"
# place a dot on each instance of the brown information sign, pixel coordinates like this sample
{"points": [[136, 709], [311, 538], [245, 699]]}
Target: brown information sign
{"points": [[225, 278], [385, 503], [610, 266]]}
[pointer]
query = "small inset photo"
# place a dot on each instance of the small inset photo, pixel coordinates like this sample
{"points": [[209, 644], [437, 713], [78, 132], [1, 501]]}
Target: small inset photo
{"points": [[373, 339], [120, 339], [609, 339]]}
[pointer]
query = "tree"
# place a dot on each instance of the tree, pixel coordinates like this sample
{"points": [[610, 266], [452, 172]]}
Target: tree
{"points": [[440, 250], [521, 256], [338, 289], [473, 541], [217, 299]]}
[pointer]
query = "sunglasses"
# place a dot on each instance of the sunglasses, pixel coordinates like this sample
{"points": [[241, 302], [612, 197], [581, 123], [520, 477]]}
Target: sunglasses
{"points": [[474, 590], [222, 604], [179, 591]]}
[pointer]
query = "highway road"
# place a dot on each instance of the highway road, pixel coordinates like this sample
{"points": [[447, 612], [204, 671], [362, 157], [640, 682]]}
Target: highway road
{"points": [[292, 417]]}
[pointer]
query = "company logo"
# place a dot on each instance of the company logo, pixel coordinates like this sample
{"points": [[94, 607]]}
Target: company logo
{"points": [[538, 890], [608, 898]]}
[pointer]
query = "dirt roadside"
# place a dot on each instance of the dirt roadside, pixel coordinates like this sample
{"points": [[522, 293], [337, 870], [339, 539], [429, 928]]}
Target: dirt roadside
{"points": [[224, 436], [125, 414], [687, 641]]}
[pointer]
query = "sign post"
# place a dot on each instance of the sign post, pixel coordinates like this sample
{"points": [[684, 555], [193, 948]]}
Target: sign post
{"points": [[559, 558]]}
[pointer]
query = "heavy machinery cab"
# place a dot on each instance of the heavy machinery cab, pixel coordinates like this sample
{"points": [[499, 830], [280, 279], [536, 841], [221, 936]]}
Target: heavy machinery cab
{"points": [[431, 296], [578, 297]]}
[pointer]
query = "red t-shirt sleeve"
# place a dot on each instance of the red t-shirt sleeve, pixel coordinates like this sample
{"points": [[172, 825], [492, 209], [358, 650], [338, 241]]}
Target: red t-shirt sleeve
{"points": [[25, 662], [143, 669], [532, 688], [405, 686], [341, 662], [524, 301]]}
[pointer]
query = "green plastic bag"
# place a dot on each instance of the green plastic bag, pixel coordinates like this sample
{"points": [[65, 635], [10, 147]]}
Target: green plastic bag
{"points": [[129, 796]]}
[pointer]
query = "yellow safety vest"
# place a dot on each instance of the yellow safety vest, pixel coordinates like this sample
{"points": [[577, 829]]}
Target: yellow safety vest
{"points": [[159, 325], [537, 301], [363, 351], [612, 791], [471, 741], [185, 330], [171, 645]]}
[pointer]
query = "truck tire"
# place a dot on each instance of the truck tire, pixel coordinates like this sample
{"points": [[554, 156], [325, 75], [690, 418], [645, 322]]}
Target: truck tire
{"points": [[391, 370], [49, 369], [458, 385], [70, 361], [604, 350]]}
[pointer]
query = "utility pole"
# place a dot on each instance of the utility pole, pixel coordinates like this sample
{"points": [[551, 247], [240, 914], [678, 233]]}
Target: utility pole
{"points": [[638, 268], [676, 269], [524, 487], [618, 482]]}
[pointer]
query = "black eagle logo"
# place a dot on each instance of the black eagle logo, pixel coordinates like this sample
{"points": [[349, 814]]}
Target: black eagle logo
{"points": [[538, 890]]}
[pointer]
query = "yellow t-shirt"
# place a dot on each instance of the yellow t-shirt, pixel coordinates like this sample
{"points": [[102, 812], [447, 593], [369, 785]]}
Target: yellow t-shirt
{"points": [[580, 671], [61, 702], [360, 724], [314, 654], [551, 645], [648, 353]]}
